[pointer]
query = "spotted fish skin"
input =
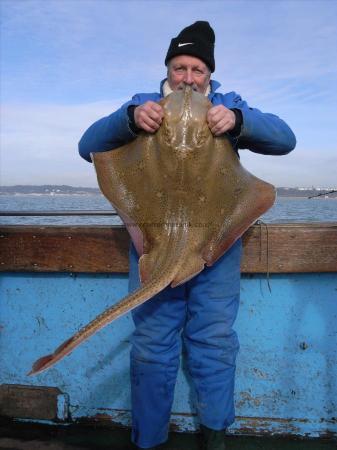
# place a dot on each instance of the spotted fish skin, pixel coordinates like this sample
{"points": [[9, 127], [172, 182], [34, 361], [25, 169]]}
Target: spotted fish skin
{"points": [[184, 198]]}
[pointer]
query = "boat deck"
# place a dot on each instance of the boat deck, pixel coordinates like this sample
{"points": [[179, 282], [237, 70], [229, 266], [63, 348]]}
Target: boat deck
{"points": [[28, 436]]}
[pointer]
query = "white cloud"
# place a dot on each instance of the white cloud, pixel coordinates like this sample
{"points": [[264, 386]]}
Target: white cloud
{"points": [[301, 167], [61, 58], [39, 142]]}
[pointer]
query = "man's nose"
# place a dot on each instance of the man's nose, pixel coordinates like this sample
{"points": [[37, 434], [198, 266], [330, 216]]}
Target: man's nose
{"points": [[188, 77]]}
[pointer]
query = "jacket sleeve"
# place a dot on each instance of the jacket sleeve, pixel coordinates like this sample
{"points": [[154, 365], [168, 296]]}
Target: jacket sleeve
{"points": [[109, 132], [263, 133]]}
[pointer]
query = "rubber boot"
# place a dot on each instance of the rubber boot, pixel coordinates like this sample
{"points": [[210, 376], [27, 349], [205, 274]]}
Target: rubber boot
{"points": [[132, 446], [149, 448], [212, 439]]}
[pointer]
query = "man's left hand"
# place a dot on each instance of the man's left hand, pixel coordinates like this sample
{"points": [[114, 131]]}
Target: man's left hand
{"points": [[220, 119]]}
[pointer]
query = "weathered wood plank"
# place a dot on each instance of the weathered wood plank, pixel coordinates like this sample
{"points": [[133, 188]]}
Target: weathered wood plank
{"points": [[64, 249], [277, 248], [29, 402], [290, 248]]}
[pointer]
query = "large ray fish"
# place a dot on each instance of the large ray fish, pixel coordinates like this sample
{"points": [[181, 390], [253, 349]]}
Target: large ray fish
{"points": [[184, 198]]}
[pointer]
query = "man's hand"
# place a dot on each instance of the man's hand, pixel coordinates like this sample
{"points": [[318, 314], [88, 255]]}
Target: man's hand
{"points": [[220, 119], [149, 116]]}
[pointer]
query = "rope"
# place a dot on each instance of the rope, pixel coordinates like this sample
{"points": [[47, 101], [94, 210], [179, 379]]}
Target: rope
{"points": [[260, 223]]}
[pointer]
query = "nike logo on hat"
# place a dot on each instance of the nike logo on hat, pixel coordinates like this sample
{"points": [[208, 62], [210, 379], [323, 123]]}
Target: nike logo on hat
{"points": [[185, 43]]}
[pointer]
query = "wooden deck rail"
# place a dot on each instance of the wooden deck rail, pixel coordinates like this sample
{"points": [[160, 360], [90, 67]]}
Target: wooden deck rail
{"points": [[274, 248]]}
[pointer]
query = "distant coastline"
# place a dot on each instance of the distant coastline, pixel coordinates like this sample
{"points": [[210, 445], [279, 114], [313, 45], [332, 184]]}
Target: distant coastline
{"points": [[60, 190], [48, 189]]}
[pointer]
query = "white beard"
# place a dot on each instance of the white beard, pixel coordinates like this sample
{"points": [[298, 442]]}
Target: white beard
{"points": [[167, 90]]}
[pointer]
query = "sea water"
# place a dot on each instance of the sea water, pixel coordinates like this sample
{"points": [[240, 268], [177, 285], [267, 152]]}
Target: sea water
{"points": [[285, 209]]}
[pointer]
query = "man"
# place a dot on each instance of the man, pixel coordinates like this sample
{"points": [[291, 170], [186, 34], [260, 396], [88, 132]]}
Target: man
{"points": [[201, 311]]}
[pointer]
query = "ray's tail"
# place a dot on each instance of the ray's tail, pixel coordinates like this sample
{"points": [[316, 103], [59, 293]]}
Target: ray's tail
{"points": [[161, 278]]}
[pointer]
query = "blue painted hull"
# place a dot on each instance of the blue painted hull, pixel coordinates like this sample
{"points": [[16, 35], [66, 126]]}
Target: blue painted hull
{"points": [[287, 366]]}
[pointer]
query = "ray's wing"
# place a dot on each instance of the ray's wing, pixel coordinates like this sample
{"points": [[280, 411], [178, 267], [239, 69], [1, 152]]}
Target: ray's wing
{"points": [[130, 179], [240, 199]]}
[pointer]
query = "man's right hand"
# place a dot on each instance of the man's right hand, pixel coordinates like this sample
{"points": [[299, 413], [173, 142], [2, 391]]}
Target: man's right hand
{"points": [[149, 116]]}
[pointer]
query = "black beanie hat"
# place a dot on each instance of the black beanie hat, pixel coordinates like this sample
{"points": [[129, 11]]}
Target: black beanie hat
{"points": [[196, 40]]}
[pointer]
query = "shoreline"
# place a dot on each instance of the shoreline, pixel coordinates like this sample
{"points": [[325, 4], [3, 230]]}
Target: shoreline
{"points": [[99, 194]]}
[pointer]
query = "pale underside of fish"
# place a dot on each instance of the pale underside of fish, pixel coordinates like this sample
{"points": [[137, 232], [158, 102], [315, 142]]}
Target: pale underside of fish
{"points": [[184, 198]]}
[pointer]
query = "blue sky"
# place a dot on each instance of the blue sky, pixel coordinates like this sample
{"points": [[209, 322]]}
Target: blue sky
{"points": [[66, 63]]}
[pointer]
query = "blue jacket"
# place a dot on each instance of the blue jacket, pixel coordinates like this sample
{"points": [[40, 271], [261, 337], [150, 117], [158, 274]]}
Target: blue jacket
{"points": [[260, 132]]}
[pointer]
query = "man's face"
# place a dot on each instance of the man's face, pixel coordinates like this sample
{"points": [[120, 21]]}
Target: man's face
{"points": [[186, 69]]}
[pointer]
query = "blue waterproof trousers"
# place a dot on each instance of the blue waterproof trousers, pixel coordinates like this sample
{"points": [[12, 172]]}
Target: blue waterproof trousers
{"points": [[200, 312]]}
